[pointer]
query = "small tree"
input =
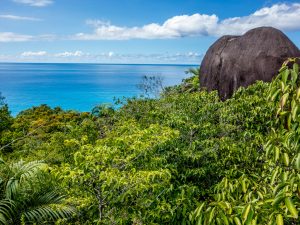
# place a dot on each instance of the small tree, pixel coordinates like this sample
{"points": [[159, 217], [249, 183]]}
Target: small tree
{"points": [[151, 86], [5, 117], [103, 110], [188, 85], [6, 121]]}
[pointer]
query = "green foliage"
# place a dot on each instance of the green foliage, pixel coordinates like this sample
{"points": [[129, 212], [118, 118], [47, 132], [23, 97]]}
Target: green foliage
{"points": [[266, 191], [6, 121], [124, 175], [183, 158], [52, 135], [103, 110], [29, 195]]}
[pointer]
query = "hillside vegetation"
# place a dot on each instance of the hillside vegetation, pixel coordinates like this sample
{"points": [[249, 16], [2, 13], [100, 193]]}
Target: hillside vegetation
{"points": [[183, 158]]}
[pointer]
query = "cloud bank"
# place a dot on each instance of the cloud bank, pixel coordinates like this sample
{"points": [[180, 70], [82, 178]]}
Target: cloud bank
{"points": [[36, 3], [105, 57], [282, 16]]}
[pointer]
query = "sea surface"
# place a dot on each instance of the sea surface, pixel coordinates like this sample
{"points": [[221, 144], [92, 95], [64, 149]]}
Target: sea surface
{"points": [[77, 86]]}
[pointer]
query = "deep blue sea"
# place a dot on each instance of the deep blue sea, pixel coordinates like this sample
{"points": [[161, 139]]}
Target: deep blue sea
{"points": [[77, 86]]}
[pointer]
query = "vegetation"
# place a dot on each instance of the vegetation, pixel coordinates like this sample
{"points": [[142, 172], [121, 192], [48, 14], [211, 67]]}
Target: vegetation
{"points": [[266, 192], [30, 195], [182, 158], [6, 121]]}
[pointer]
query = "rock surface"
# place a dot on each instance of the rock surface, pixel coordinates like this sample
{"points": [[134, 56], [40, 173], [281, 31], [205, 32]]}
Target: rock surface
{"points": [[234, 61]]}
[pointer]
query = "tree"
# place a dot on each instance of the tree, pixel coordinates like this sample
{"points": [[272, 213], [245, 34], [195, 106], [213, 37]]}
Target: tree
{"points": [[6, 121], [51, 135], [5, 118], [123, 176], [103, 110], [151, 86]]}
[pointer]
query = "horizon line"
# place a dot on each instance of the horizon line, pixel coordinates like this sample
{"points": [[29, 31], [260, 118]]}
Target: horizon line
{"points": [[162, 64]]}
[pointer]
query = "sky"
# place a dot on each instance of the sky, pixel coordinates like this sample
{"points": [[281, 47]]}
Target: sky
{"points": [[132, 31]]}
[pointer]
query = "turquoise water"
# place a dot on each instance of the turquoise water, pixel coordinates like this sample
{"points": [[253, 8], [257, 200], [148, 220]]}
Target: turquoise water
{"points": [[77, 86]]}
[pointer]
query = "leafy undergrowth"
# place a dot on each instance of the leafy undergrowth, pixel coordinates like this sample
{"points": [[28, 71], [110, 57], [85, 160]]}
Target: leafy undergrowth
{"points": [[183, 158], [267, 192]]}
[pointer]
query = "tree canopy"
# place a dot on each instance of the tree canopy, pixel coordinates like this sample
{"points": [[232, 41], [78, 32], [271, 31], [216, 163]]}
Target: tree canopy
{"points": [[185, 157]]}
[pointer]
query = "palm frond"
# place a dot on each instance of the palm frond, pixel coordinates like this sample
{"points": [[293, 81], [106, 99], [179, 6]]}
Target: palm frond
{"points": [[193, 71], [48, 213], [30, 193], [7, 210], [47, 196], [46, 204], [2, 161], [21, 172]]}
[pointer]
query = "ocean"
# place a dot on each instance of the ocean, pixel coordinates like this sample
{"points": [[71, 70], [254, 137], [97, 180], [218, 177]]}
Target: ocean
{"points": [[78, 86]]}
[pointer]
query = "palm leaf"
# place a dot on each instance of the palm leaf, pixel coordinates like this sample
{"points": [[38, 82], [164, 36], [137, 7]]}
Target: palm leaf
{"points": [[48, 213], [7, 210], [31, 194], [46, 204], [21, 172], [193, 71]]}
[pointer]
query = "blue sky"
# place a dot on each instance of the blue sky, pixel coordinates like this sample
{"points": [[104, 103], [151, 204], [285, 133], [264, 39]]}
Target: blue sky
{"points": [[132, 31]]}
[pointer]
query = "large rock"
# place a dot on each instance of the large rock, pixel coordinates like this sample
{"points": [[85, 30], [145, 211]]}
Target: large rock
{"points": [[234, 61]]}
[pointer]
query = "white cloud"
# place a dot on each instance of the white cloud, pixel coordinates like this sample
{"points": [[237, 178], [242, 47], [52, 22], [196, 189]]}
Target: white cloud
{"points": [[70, 54], [37, 3], [30, 54], [14, 17], [13, 37], [174, 27], [282, 16]]}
